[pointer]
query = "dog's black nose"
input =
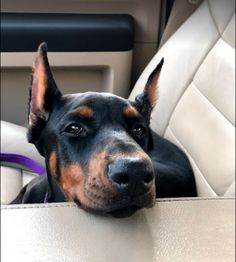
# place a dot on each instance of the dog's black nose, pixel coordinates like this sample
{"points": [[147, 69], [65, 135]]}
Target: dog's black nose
{"points": [[132, 175]]}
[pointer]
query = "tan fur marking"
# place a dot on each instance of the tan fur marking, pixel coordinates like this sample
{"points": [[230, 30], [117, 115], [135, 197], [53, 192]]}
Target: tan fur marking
{"points": [[71, 180], [97, 168], [98, 192], [41, 80], [53, 164], [142, 155], [152, 91], [152, 193], [130, 112], [85, 111], [91, 186], [91, 189], [39, 85]]}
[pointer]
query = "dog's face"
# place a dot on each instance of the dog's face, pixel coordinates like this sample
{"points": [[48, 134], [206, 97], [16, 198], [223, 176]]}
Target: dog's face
{"points": [[95, 144]]}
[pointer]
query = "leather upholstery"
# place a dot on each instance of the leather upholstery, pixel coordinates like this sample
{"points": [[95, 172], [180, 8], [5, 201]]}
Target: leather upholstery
{"points": [[12, 180], [197, 94], [174, 230], [195, 112], [196, 98], [13, 140], [14, 177]]}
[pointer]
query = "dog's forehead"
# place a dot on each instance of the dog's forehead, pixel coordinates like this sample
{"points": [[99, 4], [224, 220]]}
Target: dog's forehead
{"points": [[96, 100]]}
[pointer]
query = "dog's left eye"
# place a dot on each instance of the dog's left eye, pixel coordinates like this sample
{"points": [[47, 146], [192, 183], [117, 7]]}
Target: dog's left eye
{"points": [[139, 131], [75, 129]]}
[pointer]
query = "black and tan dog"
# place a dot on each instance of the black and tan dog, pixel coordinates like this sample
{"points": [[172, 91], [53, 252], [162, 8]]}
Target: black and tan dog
{"points": [[99, 149]]}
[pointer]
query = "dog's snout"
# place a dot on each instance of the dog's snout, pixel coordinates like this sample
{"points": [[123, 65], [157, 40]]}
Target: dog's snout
{"points": [[132, 176]]}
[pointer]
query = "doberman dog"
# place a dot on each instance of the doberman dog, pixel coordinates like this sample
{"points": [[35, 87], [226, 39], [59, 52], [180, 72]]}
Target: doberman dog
{"points": [[99, 149]]}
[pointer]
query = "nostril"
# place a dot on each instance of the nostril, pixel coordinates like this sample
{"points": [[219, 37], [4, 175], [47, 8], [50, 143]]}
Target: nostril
{"points": [[121, 179], [148, 179]]}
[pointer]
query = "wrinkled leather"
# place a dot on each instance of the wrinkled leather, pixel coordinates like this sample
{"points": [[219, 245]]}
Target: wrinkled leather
{"points": [[174, 230]]}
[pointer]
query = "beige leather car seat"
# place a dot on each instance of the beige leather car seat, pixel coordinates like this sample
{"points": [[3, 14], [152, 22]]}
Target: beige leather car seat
{"points": [[14, 177], [195, 109], [196, 102]]}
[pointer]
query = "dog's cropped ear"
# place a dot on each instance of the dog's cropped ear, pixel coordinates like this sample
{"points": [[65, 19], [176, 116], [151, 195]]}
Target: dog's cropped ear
{"points": [[147, 100], [43, 94]]}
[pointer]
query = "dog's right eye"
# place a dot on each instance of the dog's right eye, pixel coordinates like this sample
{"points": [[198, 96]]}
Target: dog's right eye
{"points": [[75, 129]]}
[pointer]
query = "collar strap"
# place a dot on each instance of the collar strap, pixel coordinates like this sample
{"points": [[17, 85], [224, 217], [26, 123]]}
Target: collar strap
{"points": [[23, 161]]}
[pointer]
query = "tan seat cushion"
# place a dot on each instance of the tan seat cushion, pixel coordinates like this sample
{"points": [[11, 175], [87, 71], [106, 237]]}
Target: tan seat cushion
{"points": [[174, 230], [197, 94], [14, 177], [12, 180]]}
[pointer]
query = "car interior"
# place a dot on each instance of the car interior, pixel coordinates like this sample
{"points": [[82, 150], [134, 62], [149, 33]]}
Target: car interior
{"points": [[113, 46]]}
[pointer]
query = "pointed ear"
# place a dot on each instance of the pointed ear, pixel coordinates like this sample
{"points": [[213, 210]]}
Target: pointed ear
{"points": [[146, 101], [43, 94]]}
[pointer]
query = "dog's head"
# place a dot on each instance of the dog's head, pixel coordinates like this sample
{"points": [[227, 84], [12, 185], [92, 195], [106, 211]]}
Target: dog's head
{"points": [[95, 144]]}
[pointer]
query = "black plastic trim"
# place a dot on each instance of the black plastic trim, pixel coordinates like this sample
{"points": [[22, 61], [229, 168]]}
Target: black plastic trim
{"points": [[23, 32]]}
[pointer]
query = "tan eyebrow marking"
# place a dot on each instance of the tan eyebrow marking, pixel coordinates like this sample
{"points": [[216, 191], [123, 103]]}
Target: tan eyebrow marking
{"points": [[153, 91], [85, 111], [130, 112]]}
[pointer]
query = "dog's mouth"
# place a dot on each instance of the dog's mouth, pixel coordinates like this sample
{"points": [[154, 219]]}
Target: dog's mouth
{"points": [[120, 210], [118, 213]]}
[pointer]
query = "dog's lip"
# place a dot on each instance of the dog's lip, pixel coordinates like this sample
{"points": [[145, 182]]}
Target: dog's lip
{"points": [[120, 210]]}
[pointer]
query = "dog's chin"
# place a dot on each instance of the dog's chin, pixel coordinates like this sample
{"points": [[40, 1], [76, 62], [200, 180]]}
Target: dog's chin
{"points": [[119, 211]]}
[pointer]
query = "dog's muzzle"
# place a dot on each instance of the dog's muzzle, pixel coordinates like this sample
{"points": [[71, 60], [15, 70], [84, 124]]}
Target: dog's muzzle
{"points": [[130, 186]]}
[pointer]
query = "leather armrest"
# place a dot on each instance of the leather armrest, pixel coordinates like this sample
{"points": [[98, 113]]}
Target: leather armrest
{"points": [[13, 140], [174, 230]]}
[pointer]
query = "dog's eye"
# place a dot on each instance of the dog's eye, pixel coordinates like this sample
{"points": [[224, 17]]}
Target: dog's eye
{"points": [[139, 131], [75, 129]]}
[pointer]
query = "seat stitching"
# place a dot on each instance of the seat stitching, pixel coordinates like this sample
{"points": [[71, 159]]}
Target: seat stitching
{"points": [[166, 200], [197, 68], [211, 103], [229, 187], [190, 156], [224, 40], [188, 151], [213, 18]]}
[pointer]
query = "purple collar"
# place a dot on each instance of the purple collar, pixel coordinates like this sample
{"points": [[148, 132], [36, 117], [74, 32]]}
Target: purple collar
{"points": [[26, 162], [23, 161]]}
